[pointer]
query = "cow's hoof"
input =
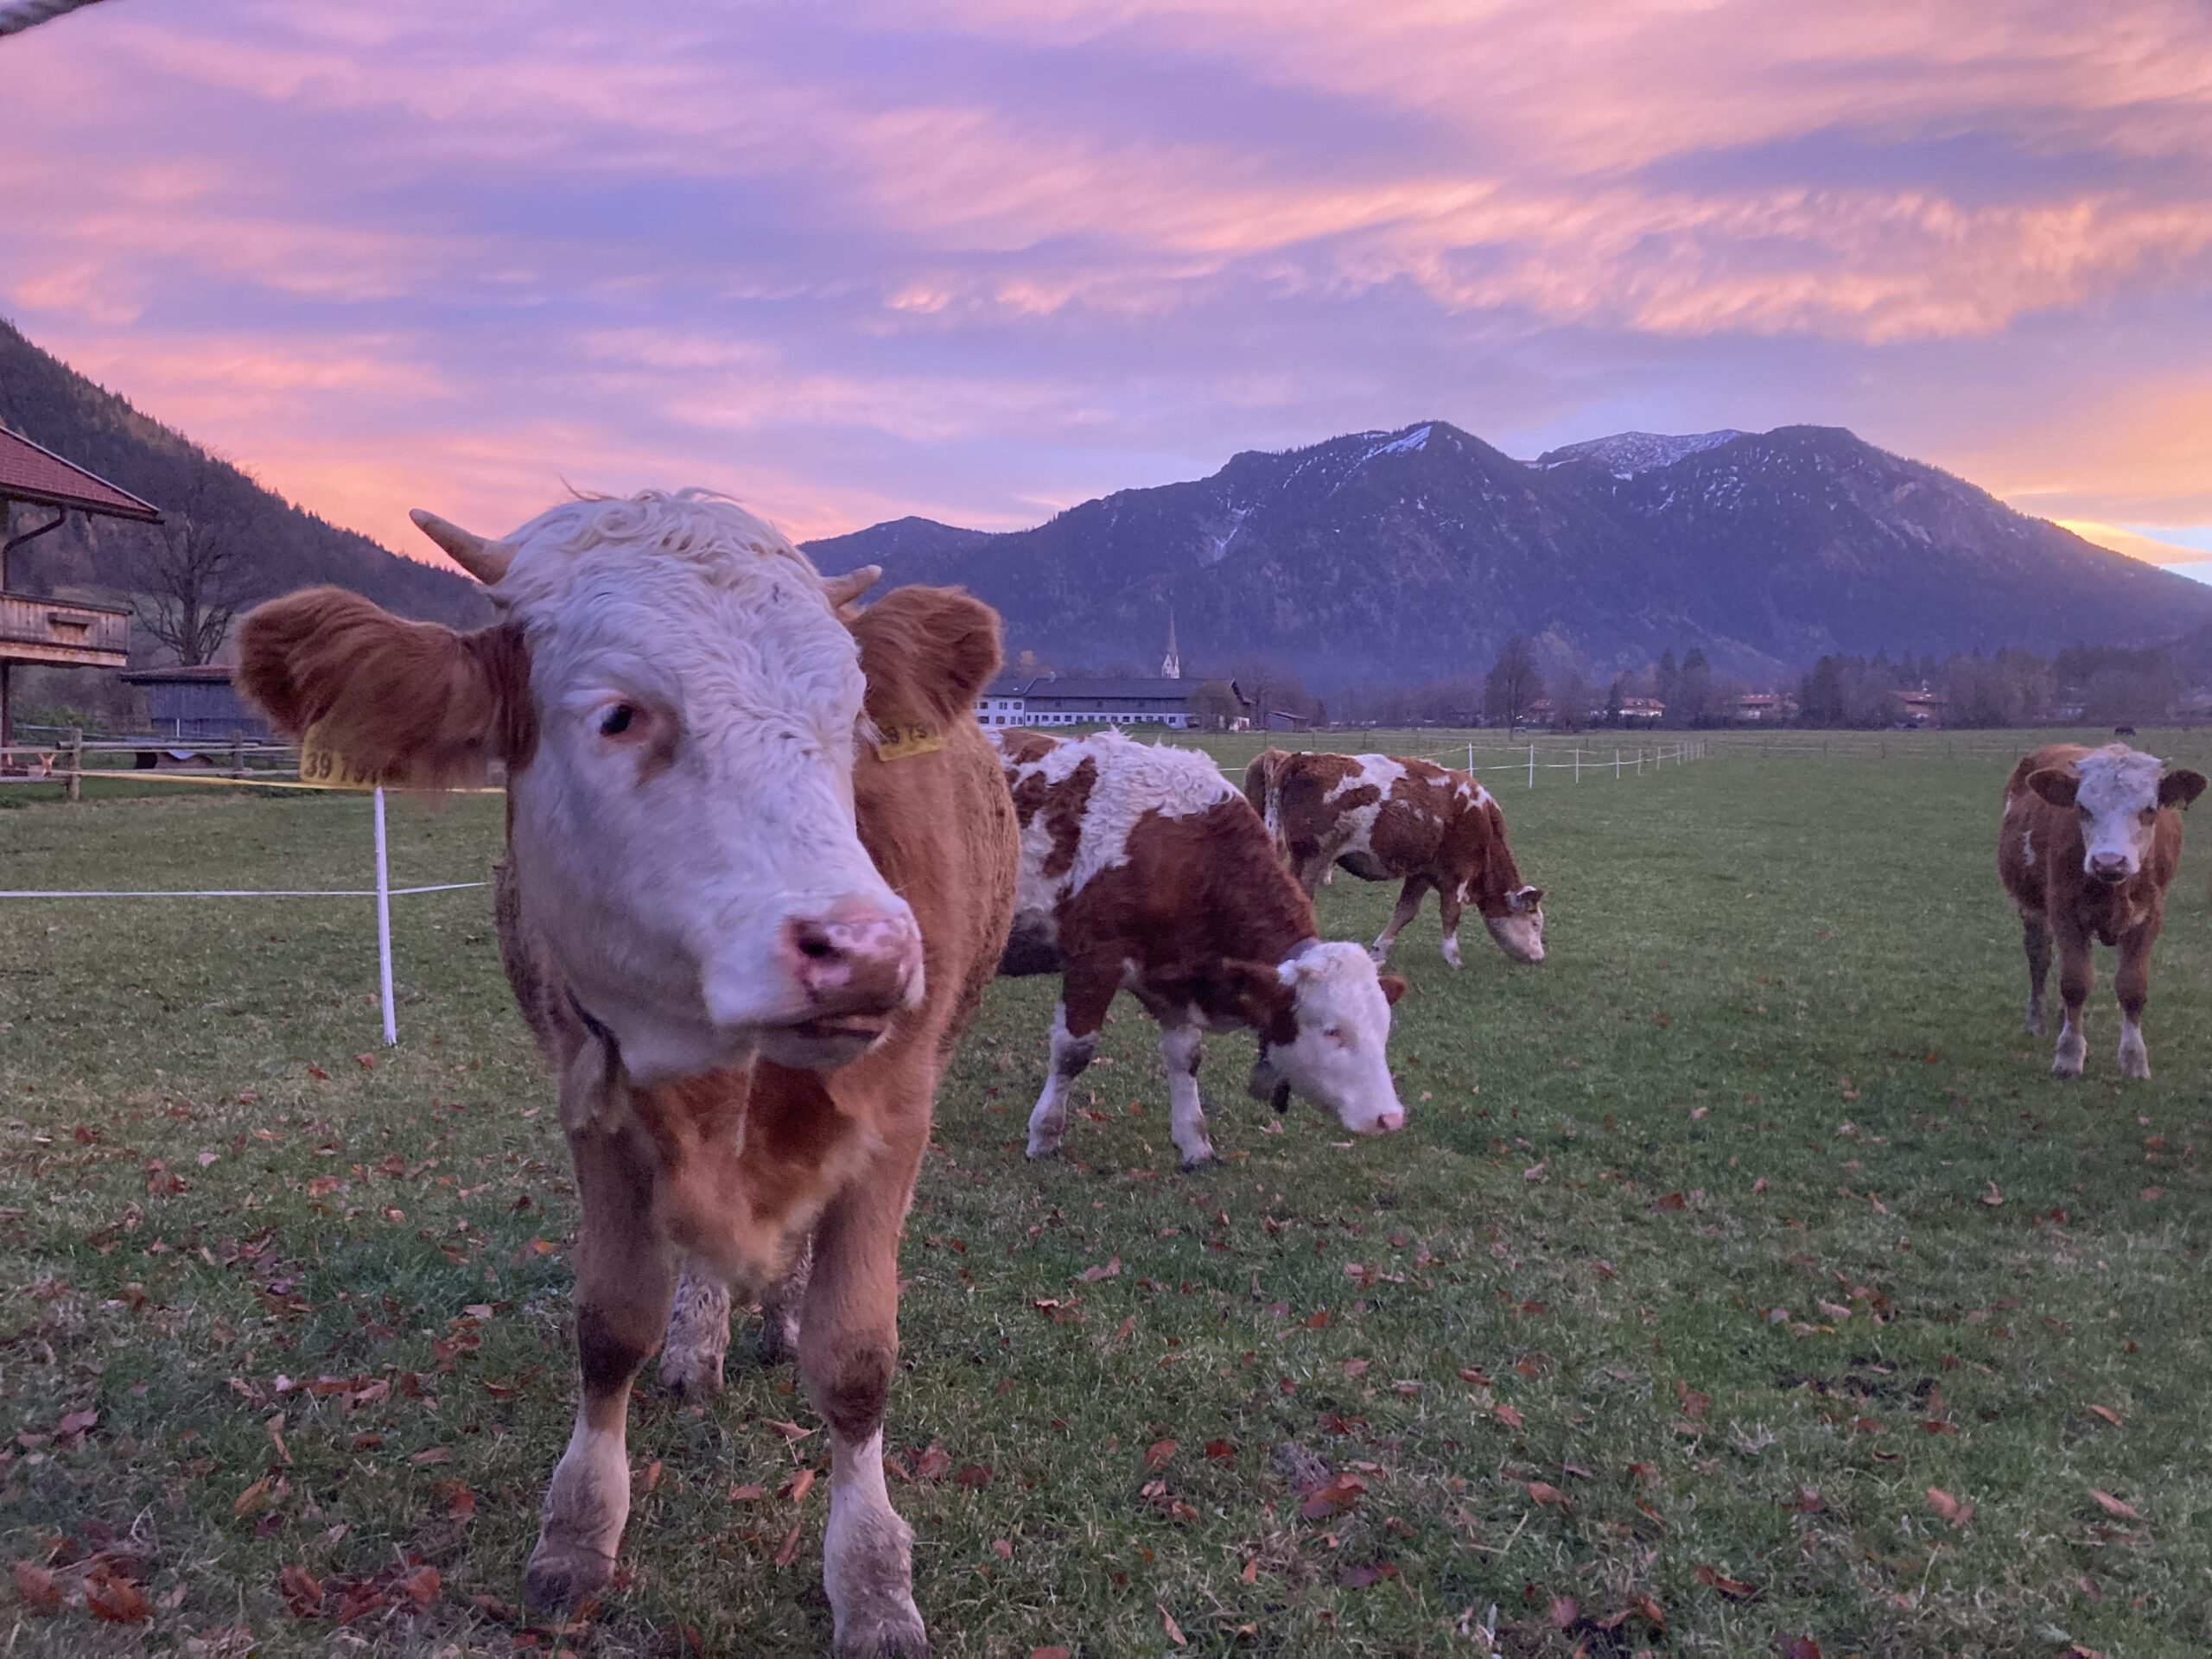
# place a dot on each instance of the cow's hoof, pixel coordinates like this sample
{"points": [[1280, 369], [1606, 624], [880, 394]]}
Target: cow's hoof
{"points": [[2066, 1068], [693, 1378], [1198, 1161], [562, 1576], [891, 1633], [2137, 1066], [1043, 1149], [778, 1339]]}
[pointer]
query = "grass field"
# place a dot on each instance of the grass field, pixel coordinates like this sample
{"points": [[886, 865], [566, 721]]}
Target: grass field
{"points": [[1727, 1259]]}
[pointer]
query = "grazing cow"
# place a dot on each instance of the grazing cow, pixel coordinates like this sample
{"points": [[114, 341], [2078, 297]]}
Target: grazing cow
{"points": [[2090, 839], [1143, 870], [1386, 819], [759, 866]]}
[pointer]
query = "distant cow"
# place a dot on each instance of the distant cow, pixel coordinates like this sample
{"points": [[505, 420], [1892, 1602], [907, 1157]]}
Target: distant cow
{"points": [[759, 866], [2123, 731], [2090, 839], [1386, 819], [1143, 870]]}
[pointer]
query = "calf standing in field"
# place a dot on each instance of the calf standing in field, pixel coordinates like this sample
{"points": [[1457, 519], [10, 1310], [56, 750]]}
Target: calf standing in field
{"points": [[759, 866], [2090, 839], [1143, 870], [1385, 819]]}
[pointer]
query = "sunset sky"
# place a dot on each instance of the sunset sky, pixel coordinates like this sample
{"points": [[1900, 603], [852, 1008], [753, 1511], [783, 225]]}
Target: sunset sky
{"points": [[980, 259]]}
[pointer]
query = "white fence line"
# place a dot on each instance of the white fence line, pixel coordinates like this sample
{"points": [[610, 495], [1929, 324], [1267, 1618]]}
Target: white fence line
{"points": [[1622, 764]]}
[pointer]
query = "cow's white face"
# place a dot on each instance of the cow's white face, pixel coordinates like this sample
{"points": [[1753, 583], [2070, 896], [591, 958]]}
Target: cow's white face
{"points": [[1340, 1058], [2116, 792], [685, 827], [1520, 931]]}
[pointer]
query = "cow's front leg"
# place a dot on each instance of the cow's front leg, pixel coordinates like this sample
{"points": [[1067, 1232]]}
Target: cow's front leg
{"points": [[2131, 984], [2075, 968], [625, 1274], [1409, 907], [848, 1353], [1182, 1048], [1448, 911], [2034, 941], [1072, 1048], [698, 1336]]}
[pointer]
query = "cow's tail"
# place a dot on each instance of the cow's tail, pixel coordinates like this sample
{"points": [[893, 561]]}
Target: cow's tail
{"points": [[1262, 789]]}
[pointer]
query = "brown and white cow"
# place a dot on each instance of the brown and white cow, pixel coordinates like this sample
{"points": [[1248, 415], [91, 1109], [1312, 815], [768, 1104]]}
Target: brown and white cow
{"points": [[1387, 819], [1143, 870], [759, 866], [2090, 841]]}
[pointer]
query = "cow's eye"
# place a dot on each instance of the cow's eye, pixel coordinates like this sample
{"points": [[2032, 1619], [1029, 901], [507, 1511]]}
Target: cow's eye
{"points": [[617, 719], [1336, 1034]]}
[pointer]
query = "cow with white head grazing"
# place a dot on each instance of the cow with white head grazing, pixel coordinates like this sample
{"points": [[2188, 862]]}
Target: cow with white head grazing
{"points": [[1144, 870], [760, 864], [2090, 840]]}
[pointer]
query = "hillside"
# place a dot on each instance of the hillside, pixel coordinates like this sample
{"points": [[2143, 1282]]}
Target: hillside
{"points": [[1396, 556], [287, 547]]}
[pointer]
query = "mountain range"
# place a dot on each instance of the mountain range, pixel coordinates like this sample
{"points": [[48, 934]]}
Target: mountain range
{"points": [[49, 402], [1393, 556], [1374, 557]]}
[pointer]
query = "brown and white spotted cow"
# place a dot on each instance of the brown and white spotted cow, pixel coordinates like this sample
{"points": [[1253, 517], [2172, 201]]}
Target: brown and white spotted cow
{"points": [[2090, 841], [760, 865], [1143, 870], [1385, 819]]}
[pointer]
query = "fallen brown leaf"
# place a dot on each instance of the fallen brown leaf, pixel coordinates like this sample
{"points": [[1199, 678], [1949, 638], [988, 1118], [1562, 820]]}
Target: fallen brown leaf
{"points": [[2114, 1507], [1174, 1630], [37, 1589], [1333, 1496], [1953, 1510], [1733, 1589]]}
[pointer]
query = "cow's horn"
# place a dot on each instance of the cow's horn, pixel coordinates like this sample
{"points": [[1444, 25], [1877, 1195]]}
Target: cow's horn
{"points": [[486, 560], [843, 590]]}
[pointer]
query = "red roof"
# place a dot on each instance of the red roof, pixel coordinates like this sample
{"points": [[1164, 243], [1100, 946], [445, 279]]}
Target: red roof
{"points": [[31, 472]]}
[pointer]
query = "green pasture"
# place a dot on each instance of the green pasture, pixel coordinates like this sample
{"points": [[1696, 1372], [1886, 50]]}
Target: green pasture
{"points": [[1741, 1278]]}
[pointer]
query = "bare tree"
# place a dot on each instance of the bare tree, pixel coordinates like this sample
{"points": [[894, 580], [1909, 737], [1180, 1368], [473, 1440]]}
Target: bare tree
{"points": [[1513, 683], [1572, 700], [194, 573]]}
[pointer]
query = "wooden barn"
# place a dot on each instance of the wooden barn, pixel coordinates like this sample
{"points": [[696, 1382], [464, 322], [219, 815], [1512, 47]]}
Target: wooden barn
{"points": [[197, 705], [34, 629]]}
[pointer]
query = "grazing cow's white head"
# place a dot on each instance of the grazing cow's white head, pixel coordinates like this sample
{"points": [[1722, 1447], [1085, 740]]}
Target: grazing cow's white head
{"points": [[1323, 1018], [2117, 792], [678, 702], [1519, 928]]}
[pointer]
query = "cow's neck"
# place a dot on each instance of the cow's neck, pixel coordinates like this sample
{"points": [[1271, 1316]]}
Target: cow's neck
{"points": [[1280, 925]]}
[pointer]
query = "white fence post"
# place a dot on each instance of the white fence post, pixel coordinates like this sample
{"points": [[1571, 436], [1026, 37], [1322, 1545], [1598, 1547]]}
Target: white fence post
{"points": [[384, 927], [1471, 757], [1578, 766], [1617, 763], [1532, 765]]}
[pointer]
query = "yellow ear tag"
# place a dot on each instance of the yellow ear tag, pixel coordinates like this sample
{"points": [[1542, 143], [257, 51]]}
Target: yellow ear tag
{"points": [[330, 768], [902, 740]]}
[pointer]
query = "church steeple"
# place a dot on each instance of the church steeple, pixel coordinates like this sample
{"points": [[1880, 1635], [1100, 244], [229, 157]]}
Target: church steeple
{"points": [[1171, 667]]}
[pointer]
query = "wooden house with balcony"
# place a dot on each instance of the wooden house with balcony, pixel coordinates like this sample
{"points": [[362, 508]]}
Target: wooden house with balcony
{"points": [[34, 630]]}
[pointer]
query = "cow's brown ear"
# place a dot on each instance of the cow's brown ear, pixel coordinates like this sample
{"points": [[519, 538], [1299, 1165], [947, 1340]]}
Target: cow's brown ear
{"points": [[1393, 988], [2056, 784], [928, 652], [411, 702], [2180, 788], [1525, 899]]}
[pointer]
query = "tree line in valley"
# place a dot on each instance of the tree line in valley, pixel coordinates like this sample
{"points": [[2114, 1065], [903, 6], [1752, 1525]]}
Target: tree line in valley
{"points": [[2098, 684]]}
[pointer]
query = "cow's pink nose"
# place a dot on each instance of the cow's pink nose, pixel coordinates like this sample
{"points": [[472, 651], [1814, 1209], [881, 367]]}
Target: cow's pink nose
{"points": [[855, 958], [2108, 867], [1390, 1122]]}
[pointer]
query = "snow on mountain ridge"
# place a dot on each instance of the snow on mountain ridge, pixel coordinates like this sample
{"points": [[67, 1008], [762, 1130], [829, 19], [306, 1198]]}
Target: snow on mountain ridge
{"points": [[1624, 455]]}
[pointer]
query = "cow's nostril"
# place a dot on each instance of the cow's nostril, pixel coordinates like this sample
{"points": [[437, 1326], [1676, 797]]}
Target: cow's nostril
{"points": [[816, 946]]}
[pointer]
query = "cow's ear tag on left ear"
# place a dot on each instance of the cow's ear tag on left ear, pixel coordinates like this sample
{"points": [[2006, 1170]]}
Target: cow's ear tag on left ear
{"points": [[902, 740]]}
